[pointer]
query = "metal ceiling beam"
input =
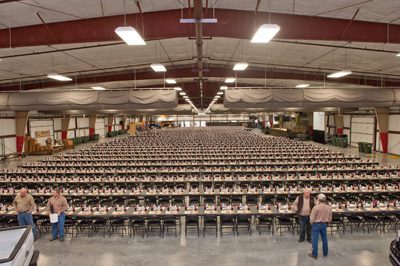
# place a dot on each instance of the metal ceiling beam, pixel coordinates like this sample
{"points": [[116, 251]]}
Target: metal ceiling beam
{"points": [[198, 15], [186, 71], [231, 23]]}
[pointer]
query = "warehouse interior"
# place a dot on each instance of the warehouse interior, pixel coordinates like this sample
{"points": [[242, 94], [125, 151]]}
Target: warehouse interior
{"points": [[182, 131]]}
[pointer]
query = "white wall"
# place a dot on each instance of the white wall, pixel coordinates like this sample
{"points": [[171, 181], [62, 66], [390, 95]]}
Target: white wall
{"points": [[362, 129], [100, 127], [319, 121], [41, 125], [7, 127]]}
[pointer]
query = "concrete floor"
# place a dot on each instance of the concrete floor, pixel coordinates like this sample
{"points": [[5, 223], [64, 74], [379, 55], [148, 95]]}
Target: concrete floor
{"points": [[356, 249]]}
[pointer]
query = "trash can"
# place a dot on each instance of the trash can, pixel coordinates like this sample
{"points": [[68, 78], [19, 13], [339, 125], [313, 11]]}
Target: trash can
{"points": [[367, 148], [361, 147]]}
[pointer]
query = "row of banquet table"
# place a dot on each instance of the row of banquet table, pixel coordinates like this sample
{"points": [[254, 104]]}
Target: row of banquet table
{"points": [[223, 172]]}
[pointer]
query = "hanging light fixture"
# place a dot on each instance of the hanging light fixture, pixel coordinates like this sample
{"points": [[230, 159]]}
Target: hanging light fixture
{"points": [[240, 66], [58, 77], [130, 35], [158, 67], [265, 33], [340, 74]]}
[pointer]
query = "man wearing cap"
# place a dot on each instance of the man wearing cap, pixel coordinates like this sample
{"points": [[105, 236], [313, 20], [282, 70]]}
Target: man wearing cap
{"points": [[320, 216], [24, 205], [303, 205]]}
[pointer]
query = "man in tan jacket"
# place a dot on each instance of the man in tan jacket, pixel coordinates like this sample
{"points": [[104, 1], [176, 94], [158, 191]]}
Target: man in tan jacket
{"points": [[57, 204], [24, 206]]}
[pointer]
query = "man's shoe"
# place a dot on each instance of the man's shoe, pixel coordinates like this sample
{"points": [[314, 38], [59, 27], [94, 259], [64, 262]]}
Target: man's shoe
{"points": [[301, 240], [309, 241], [61, 239], [312, 256], [52, 239]]}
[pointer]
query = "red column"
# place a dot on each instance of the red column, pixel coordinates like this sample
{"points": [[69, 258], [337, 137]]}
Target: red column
{"points": [[91, 132], [340, 131], [20, 144], [64, 135], [384, 140]]}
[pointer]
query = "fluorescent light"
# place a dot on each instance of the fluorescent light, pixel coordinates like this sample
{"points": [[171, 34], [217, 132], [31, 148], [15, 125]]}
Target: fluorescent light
{"points": [[178, 88], [185, 97], [302, 85], [340, 74], [170, 81], [217, 97], [396, 55], [98, 88], [58, 77], [240, 66], [130, 36], [223, 88], [220, 92], [265, 33], [158, 67], [230, 80], [182, 93]]}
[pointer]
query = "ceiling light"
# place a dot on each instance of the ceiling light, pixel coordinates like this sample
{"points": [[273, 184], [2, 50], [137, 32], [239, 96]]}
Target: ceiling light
{"points": [[220, 92], [340, 74], [230, 80], [158, 67], [240, 66], [223, 88], [302, 85], [170, 81], [396, 55], [98, 88], [182, 93], [178, 88], [185, 97], [130, 36], [265, 33], [217, 97], [58, 77]]}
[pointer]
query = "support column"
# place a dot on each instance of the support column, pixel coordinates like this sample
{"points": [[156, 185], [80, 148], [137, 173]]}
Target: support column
{"points": [[123, 119], [64, 126], [298, 120], [271, 120], [92, 124], [110, 120], [20, 124], [339, 124], [310, 122], [263, 120], [382, 115]]}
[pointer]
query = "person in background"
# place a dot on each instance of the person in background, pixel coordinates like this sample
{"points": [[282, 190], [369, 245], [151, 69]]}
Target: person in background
{"points": [[320, 216], [303, 205], [57, 204], [24, 205]]}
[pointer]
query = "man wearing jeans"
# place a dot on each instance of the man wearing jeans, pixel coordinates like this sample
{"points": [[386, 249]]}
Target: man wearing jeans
{"points": [[320, 216], [303, 205], [57, 204], [24, 205]]}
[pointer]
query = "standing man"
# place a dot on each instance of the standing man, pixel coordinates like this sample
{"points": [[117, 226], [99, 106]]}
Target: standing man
{"points": [[57, 204], [303, 205], [24, 205], [320, 216]]}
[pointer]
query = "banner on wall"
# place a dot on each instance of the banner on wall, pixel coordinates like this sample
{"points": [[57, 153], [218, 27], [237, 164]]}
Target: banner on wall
{"points": [[42, 134]]}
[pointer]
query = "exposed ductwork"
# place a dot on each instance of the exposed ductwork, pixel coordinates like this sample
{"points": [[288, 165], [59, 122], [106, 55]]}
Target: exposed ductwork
{"points": [[310, 98], [89, 100]]}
